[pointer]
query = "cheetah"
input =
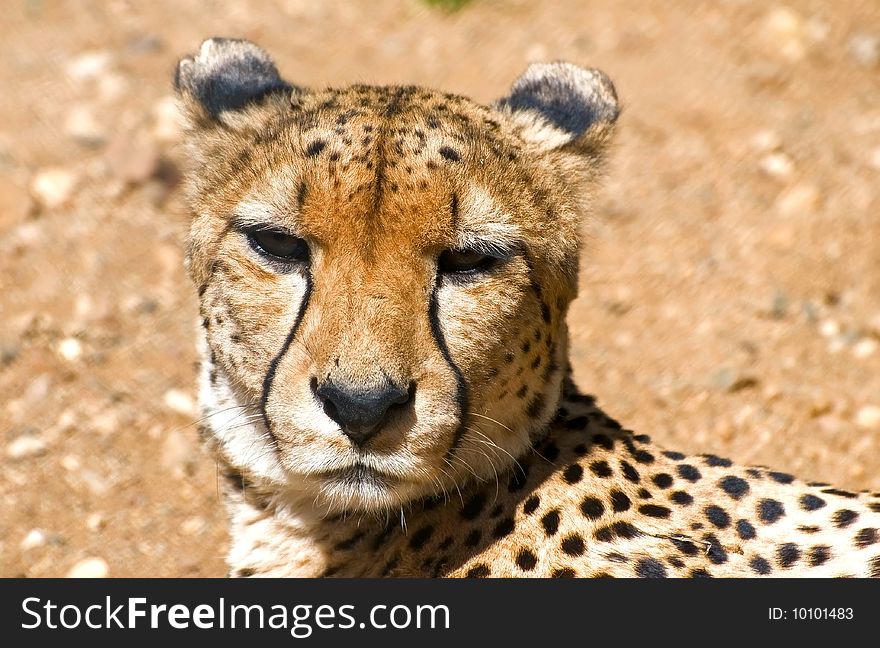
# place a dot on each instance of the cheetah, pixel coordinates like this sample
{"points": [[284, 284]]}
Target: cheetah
{"points": [[384, 275]]}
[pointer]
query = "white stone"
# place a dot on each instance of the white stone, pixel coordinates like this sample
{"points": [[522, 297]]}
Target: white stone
{"points": [[95, 522], [81, 124], [868, 417], [180, 402], [70, 349], [89, 568], [799, 200], [865, 348], [765, 141], [874, 158], [24, 446], [53, 187], [35, 538], [89, 65], [777, 165], [829, 328], [166, 116], [865, 49], [70, 463]]}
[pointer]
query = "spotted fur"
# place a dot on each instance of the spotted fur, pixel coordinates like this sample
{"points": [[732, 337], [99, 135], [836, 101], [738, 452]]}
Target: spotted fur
{"points": [[492, 464]]}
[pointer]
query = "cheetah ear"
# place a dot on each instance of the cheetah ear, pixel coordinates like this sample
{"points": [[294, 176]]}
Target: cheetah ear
{"points": [[560, 104], [226, 76]]}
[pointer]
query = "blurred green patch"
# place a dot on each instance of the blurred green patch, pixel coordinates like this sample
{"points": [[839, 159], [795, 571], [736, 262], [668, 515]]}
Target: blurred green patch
{"points": [[447, 5]]}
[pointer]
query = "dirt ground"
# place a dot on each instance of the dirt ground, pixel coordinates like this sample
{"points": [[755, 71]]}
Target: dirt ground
{"points": [[730, 294]]}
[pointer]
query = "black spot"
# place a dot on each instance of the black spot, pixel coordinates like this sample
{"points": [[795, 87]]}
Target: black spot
{"points": [[564, 572], [699, 573], [479, 571], [745, 530], [573, 474], [650, 568], [246, 572], [592, 508], [770, 510], [688, 472], [760, 566], [675, 456], [601, 469], [577, 423], [644, 493], [839, 493], [420, 537], [717, 462], [643, 457], [875, 567], [788, 554], [675, 562], [616, 557], [550, 452], [503, 528], [348, 543], [642, 438], [473, 538], [736, 487], [654, 510], [662, 480], [619, 501], [473, 507], [808, 528], [629, 472], [686, 547], [844, 517], [526, 346], [449, 153], [717, 516], [531, 505], [522, 391], [545, 312], [518, 479], [580, 449], [603, 440], [625, 530], [682, 498], [315, 148], [781, 478], [865, 537], [447, 542], [874, 506], [573, 545], [811, 502], [550, 522], [818, 555], [526, 560], [715, 552]]}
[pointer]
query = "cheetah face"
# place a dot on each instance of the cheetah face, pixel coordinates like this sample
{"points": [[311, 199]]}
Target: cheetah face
{"points": [[383, 271]]}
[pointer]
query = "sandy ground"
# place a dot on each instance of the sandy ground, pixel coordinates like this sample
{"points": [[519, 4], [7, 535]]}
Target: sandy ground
{"points": [[730, 296]]}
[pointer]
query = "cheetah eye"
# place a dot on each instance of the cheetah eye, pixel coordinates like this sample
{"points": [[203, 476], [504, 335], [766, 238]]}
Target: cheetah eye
{"points": [[464, 261], [277, 245]]}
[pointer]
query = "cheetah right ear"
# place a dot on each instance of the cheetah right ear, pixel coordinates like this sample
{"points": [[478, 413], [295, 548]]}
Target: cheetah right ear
{"points": [[226, 76], [560, 104]]}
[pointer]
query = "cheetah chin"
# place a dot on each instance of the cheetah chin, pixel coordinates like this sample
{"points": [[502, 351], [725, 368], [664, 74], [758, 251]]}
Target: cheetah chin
{"points": [[384, 275]]}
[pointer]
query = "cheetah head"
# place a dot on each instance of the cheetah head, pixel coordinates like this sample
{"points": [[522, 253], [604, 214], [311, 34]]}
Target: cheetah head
{"points": [[383, 272]]}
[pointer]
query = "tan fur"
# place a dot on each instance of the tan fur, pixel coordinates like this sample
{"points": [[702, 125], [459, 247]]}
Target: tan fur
{"points": [[465, 479]]}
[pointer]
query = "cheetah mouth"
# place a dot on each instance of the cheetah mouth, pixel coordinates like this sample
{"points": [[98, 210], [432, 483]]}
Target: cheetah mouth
{"points": [[359, 475]]}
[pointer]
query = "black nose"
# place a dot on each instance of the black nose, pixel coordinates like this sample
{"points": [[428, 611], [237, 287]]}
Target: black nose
{"points": [[360, 412]]}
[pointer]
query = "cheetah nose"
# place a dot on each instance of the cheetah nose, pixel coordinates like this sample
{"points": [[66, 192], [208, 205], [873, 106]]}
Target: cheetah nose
{"points": [[360, 412]]}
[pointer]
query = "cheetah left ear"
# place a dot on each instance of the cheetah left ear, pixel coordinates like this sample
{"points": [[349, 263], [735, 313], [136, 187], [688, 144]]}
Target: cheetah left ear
{"points": [[560, 104], [226, 76]]}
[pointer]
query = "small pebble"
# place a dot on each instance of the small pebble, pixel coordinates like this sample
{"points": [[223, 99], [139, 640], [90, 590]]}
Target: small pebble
{"points": [[829, 328], [777, 165], [865, 49], [799, 200], [35, 538], [51, 188], [180, 402], [95, 522], [89, 568], [70, 349], [868, 417], [25, 446]]}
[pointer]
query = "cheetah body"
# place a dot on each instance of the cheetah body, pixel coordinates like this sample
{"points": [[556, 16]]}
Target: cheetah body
{"points": [[350, 244]]}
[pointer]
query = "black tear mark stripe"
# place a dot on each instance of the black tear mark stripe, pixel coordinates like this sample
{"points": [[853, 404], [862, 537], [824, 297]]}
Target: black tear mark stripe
{"points": [[462, 396], [273, 366]]}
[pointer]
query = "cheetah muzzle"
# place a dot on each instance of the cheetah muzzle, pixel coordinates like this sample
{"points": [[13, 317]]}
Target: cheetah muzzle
{"points": [[384, 275]]}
